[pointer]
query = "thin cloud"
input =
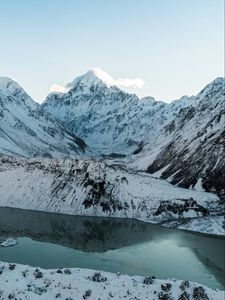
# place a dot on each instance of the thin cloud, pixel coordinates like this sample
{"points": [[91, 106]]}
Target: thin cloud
{"points": [[126, 82], [107, 79], [123, 82]]}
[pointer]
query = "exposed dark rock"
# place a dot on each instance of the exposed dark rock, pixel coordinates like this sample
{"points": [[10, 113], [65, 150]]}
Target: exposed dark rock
{"points": [[149, 279], [180, 206], [184, 296], [184, 285], [166, 287], [12, 267], [38, 274], [101, 194], [87, 294], [67, 272], [199, 293], [1, 270], [164, 296], [97, 277]]}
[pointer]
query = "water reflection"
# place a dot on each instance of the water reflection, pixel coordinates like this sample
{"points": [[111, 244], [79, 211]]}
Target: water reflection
{"points": [[84, 233], [127, 246]]}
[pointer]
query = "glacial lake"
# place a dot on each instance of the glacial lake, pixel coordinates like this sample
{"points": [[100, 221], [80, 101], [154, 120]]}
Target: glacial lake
{"points": [[128, 246]]}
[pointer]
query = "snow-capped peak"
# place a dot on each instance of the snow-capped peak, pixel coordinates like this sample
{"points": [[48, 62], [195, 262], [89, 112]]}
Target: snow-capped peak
{"points": [[97, 76], [11, 91], [7, 85], [94, 80], [87, 80]]}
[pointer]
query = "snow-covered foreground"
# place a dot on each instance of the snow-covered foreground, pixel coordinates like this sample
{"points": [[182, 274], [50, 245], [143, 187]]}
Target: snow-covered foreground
{"points": [[95, 189], [25, 282]]}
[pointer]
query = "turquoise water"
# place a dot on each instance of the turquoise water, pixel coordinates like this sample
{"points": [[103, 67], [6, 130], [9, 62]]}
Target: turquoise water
{"points": [[126, 246]]}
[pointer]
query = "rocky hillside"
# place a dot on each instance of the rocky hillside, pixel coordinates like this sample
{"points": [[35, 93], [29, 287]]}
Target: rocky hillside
{"points": [[86, 187], [192, 146], [26, 130]]}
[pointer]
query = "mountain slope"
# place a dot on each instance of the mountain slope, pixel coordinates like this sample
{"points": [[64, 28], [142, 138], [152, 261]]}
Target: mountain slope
{"points": [[25, 130], [86, 187], [192, 150]]}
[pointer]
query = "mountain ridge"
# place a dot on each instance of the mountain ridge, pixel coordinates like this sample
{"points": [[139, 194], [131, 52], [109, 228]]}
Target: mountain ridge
{"points": [[95, 120]]}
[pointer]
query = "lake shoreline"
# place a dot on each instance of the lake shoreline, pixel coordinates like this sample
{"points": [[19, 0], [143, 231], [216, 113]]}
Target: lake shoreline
{"points": [[93, 188], [218, 231]]}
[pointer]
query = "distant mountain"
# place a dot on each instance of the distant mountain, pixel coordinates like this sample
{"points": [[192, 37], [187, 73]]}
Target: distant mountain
{"points": [[109, 119], [26, 130]]}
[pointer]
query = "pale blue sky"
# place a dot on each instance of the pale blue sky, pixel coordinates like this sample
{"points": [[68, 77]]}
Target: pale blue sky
{"points": [[175, 46]]}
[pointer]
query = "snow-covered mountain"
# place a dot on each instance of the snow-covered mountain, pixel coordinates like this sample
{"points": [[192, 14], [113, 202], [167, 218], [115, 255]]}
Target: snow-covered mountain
{"points": [[190, 149], [182, 141], [26, 130], [107, 118]]}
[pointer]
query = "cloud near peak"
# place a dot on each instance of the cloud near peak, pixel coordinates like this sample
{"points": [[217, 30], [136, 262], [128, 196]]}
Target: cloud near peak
{"points": [[107, 79], [123, 82]]}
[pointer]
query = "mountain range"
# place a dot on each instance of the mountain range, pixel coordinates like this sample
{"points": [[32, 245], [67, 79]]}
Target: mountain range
{"points": [[182, 141]]}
